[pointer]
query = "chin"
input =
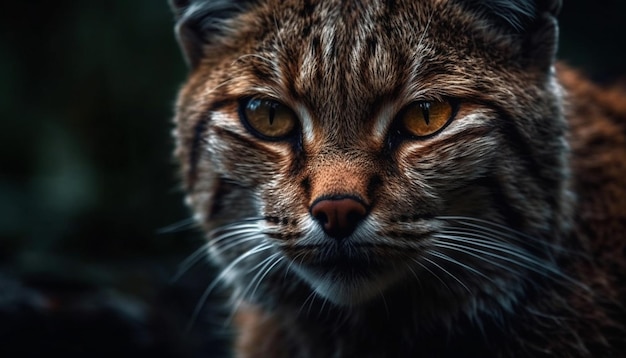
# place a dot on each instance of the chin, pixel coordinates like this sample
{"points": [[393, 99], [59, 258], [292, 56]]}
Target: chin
{"points": [[348, 287]]}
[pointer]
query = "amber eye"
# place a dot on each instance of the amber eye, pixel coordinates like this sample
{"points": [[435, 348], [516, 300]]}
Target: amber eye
{"points": [[267, 118], [425, 118]]}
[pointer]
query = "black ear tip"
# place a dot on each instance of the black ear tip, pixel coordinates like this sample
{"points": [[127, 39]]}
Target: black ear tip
{"points": [[180, 3], [551, 6], [179, 6]]}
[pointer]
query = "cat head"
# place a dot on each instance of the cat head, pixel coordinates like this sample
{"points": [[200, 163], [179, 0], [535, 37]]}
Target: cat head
{"points": [[353, 148]]}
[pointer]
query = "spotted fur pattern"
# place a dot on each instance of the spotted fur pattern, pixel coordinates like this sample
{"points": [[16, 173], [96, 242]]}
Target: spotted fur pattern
{"points": [[502, 235]]}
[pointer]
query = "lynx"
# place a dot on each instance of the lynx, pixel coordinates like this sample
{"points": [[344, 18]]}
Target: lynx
{"points": [[403, 178]]}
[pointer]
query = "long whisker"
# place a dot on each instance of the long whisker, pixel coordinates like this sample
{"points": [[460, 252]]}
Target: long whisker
{"points": [[225, 246], [246, 232], [513, 255], [263, 263], [238, 224], [267, 265], [189, 262], [291, 263], [246, 225], [488, 240], [243, 229], [462, 249], [177, 226], [419, 282], [267, 271], [506, 232], [457, 262], [324, 301], [310, 297], [432, 273], [225, 272], [448, 273], [511, 251]]}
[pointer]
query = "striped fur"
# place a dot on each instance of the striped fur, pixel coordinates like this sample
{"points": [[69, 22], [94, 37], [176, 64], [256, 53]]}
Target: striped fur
{"points": [[477, 241]]}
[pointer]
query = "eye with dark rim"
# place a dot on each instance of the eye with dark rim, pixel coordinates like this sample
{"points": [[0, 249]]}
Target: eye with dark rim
{"points": [[268, 119], [423, 119]]}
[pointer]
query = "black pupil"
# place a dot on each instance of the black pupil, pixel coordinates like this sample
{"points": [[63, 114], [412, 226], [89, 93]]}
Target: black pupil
{"points": [[425, 106], [272, 112]]}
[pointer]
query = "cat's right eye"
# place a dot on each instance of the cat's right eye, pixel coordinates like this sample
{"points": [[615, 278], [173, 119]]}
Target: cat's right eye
{"points": [[268, 119]]}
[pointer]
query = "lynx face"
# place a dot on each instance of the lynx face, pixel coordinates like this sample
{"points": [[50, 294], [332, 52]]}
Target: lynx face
{"points": [[352, 150]]}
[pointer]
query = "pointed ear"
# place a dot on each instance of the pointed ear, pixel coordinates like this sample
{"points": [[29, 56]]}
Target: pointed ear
{"points": [[532, 21], [198, 22], [541, 36]]}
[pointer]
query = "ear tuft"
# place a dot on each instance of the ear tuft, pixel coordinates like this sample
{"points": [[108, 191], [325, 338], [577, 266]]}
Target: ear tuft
{"points": [[199, 21]]}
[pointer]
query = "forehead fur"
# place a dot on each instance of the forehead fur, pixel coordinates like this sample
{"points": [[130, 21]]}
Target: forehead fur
{"points": [[344, 58]]}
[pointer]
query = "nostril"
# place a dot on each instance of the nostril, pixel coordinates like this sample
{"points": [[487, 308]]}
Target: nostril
{"points": [[355, 216], [321, 217], [339, 217]]}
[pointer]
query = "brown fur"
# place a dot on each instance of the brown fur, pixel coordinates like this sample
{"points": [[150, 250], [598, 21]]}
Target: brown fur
{"points": [[534, 266]]}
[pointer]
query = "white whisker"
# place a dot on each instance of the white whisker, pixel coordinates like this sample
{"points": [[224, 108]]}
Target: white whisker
{"points": [[189, 262], [434, 274], [237, 224], [278, 260], [505, 232], [462, 249], [177, 226], [512, 255], [310, 297], [223, 274], [267, 265], [511, 251], [235, 242], [448, 273], [454, 261]]}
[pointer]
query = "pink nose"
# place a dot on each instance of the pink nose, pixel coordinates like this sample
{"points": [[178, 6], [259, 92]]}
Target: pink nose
{"points": [[339, 217]]}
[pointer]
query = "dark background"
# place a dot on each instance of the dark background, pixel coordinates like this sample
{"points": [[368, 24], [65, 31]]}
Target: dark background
{"points": [[87, 180]]}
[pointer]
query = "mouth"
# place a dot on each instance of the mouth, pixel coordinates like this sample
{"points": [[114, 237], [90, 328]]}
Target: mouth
{"points": [[346, 278], [339, 259], [346, 267]]}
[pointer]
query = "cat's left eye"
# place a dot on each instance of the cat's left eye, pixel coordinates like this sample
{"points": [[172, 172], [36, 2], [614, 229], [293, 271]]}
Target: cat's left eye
{"points": [[268, 119], [425, 118]]}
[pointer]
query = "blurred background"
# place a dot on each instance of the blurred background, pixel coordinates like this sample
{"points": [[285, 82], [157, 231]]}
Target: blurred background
{"points": [[89, 195]]}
